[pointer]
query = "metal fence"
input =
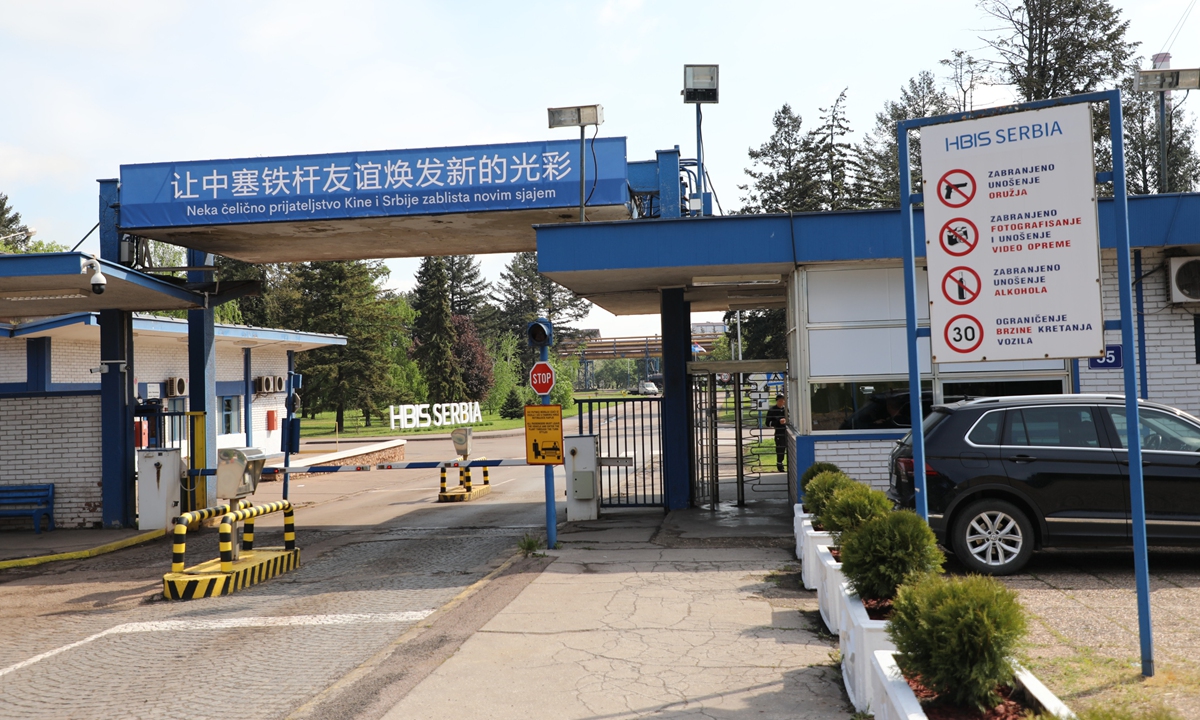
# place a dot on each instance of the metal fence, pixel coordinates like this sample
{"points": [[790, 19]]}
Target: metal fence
{"points": [[627, 428]]}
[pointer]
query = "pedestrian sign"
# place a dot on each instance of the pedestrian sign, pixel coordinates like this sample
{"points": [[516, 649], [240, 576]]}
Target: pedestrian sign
{"points": [[543, 435]]}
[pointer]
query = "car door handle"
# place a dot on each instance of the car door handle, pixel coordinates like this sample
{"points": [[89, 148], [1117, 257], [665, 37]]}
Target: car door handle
{"points": [[1022, 458]]}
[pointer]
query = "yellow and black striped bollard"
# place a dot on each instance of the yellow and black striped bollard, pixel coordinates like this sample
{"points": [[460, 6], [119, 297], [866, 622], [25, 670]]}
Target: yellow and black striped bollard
{"points": [[468, 483], [248, 534], [179, 548], [443, 490], [486, 479], [226, 544], [289, 528]]}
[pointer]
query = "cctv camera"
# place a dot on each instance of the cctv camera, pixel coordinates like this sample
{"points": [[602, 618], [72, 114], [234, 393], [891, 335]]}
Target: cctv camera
{"points": [[98, 283]]}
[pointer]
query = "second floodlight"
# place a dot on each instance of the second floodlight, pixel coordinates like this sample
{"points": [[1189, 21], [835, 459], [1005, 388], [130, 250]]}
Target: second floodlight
{"points": [[577, 116]]}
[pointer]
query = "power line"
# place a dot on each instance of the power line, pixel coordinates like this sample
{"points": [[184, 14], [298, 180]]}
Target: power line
{"points": [[1174, 34]]}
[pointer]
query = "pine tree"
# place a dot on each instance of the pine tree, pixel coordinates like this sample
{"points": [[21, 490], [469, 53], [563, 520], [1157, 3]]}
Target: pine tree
{"points": [[526, 295], [832, 154], [784, 177], [10, 224], [435, 333], [514, 405], [468, 289], [877, 157], [344, 298]]}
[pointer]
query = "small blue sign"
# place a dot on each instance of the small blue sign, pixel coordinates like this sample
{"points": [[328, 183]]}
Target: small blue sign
{"points": [[1112, 359], [434, 181]]}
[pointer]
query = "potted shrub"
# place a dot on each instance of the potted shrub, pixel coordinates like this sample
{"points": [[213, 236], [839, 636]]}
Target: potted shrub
{"points": [[850, 507], [955, 639], [797, 524], [820, 489], [876, 558]]}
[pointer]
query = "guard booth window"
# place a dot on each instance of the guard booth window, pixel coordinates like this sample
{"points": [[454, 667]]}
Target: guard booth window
{"points": [[231, 414]]}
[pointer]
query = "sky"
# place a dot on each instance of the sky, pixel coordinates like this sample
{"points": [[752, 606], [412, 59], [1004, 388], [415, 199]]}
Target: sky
{"points": [[90, 86]]}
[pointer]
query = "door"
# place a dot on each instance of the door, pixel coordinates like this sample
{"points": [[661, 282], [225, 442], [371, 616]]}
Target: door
{"points": [[1171, 472], [1058, 456]]}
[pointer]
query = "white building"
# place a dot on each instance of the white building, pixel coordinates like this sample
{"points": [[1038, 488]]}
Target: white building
{"points": [[50, 398]]}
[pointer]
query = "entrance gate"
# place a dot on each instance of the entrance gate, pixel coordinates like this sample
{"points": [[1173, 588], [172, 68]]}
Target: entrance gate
{"points": [[630, 430], [731, 441]]}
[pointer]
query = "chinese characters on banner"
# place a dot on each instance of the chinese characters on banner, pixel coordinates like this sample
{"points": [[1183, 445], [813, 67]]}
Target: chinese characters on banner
{"points": [[403, 182], [1011, 237]]}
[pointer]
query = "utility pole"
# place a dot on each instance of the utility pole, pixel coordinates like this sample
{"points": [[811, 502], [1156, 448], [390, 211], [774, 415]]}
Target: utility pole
{"points": [[1162, 61]]}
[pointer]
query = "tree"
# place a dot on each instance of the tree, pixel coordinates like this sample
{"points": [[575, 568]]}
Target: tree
{"points": [[784, 176], [966, 74], [832, 156], [877, 157], [1142, 150], [514, 405], [764, 333], [473, 359], [526, 295], [1052, 48], [406, 384], [10, 224], [506, 369], [468, 289], [435, 333], [344, 298]]}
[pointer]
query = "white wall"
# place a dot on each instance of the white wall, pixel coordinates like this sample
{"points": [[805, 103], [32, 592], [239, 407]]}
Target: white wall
{"points": [[864, 461], [55, 440], [12, 360], [1172, 372], [71, 361]]}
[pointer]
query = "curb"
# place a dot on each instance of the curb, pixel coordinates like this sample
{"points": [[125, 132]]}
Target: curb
{"points": [[82, 554]]}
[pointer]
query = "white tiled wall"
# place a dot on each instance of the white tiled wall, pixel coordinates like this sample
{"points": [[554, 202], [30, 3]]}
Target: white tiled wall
{"points": [[1173, 374], [864, 461], [12, 360], [71, 361], [55, 440]]}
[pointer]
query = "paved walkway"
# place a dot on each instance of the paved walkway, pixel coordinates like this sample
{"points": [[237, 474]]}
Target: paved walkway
{"points": [[627, 628]]}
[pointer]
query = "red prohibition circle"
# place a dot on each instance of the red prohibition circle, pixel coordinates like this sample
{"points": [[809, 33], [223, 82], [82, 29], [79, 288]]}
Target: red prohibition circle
{"points": [[951, 237], [949, 276], [950, 324], [952, 194]]}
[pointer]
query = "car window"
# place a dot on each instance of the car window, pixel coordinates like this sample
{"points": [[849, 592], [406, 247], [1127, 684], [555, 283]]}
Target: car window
{"points": [[1160, 431], [1056, 426], [987, 429]]}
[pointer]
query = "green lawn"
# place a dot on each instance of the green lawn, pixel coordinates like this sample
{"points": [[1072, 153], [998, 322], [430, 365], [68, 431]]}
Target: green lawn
{"points": [[323, 425]]}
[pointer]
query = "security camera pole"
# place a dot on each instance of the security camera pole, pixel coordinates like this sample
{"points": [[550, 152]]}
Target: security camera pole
{"points": [[540, 334]]}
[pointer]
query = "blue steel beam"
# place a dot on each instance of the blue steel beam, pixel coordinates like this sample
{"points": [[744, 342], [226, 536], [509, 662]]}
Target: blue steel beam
{"points": [[116, 385], [1154, 221]]}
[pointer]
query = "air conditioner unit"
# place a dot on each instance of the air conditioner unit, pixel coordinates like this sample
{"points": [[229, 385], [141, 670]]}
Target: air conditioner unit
{"points": [[1185, 279], [263, 384], [176, 387], [279, 385]]}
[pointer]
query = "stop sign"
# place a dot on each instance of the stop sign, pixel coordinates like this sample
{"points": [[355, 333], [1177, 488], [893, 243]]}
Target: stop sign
{"points": [[541, 378]]}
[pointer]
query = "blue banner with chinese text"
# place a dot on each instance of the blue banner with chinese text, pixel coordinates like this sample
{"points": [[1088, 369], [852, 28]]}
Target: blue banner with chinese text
{"points": [[432, 181]]}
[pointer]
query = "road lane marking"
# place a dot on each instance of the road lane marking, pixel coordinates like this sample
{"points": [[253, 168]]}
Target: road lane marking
{"points": [[228, 623]]}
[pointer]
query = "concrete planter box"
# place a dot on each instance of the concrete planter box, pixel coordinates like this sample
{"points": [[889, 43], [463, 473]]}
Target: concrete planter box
{"points": [[829, 588], [810, 540], [893, 699], [860, 638], [797, 521]]}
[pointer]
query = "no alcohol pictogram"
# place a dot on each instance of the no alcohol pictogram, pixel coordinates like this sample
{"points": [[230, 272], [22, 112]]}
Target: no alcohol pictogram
{"points": [[964, 333], [959, 236], [961, 285], [956, 188]]}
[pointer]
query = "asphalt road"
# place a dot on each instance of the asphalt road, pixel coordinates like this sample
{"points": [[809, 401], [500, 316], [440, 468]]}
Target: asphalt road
{"points": [[380, 556]]}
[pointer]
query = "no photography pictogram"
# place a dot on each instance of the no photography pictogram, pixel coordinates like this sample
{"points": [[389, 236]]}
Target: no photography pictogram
{"points": [[956, 188], [964, 333], [961, 285], [959, 236]]}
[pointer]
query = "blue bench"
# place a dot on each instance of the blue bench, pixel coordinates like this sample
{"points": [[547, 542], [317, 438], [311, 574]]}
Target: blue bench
{"points": [[40, 498]]}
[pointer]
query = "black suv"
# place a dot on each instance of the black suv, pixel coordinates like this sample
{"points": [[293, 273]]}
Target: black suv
{"points": [[1008, 475]]}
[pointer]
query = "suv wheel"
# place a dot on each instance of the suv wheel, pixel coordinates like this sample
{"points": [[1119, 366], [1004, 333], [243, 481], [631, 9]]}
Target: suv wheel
{"points": [[993, 537]]}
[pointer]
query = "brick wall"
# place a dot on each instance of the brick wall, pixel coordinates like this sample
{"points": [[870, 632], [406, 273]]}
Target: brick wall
{"points": [[54, 440], [71, 361], [155, 360], [1172, 372], [12, 360], [863, 461]]}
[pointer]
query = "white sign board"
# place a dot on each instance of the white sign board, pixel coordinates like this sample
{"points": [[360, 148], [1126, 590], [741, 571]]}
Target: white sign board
{"points": [[1011, 237]]}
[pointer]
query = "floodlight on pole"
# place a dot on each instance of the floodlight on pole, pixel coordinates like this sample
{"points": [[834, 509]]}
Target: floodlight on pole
{"points": [[1162, 80], [701, 84], [579, 116]]}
